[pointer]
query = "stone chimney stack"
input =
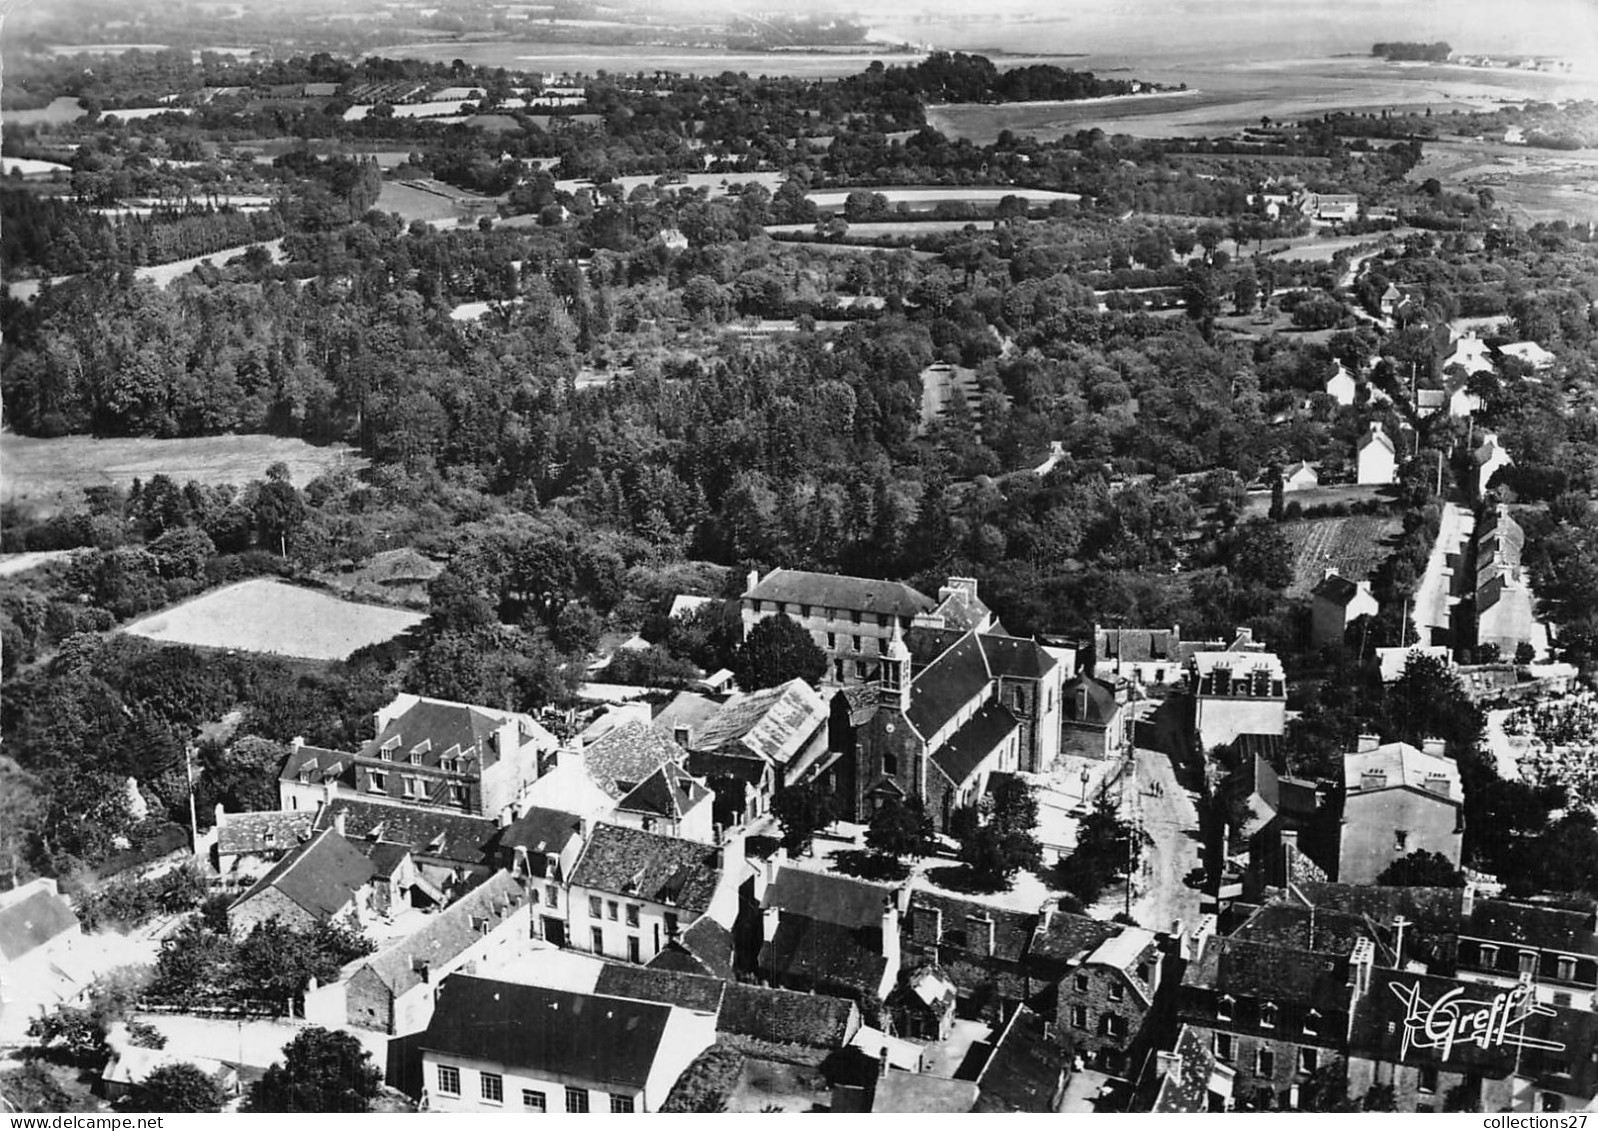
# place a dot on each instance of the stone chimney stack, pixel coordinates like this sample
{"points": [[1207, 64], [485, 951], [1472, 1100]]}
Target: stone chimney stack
{"points": [[338, 822], [752, 580], [890, 931]]}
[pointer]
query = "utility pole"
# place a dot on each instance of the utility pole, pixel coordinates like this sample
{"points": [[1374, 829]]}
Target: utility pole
{"points": [[188, 773]]}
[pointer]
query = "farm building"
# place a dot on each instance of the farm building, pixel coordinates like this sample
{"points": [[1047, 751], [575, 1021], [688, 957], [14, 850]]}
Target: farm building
{"points": [[1300, 476]]}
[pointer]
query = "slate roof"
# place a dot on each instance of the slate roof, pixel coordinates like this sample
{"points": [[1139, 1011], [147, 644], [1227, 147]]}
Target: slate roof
{"points": [[708, 764], [384, 856], [969, 746], [1135, 644], [942, 689], [661, 869], [1549, 928], [926, 644], [1402, 765], [628, 755], [787, 1017], [540, 831], [704, 948], [1281, 974], [667, 793], [239, 834], [828, 898], [689, 709], [834, 591], [690, 991], [317, 764], [1435, 908], [826, 954], [1337, 589], [1101, 702], [555, 1034], [1015, 657], [321, 876], [444, 935], [773, 723], [1065, 937], [1012, 930], [1375, 435], [1289, 926], [33, 921], [1026, 1070], [455, 838], [1378, 1027], [961, 608], [444, 727], [1187, 1089]]}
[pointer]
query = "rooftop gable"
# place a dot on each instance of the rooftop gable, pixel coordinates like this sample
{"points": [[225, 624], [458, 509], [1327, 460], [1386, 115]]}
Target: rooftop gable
{"points": [[836, 591], [661, 869], [321, 876]]}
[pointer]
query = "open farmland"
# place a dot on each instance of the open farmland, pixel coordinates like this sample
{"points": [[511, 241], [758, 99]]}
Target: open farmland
{"points": [[1354, 546], [930, 198], [871, 229], [47, 474], [265, 615]]}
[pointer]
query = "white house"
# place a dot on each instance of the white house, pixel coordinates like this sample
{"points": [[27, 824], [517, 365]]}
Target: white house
{"points": [[632, 892], [1300, 476], [1531, 353], [1377, 457], [1341, 386], [1470, 353], [1337, 603], [1490, 456], [503, 1047]]}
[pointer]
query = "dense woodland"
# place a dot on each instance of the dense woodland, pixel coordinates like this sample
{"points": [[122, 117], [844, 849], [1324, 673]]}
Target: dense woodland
{"points": [[609, 435]]}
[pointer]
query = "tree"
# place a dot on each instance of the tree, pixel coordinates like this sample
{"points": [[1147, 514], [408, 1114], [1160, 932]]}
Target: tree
{"points": [[1262, 555], [321, 1070], [776, 651], [179, 1088], [900, 828], [802, 811], [1422, 869], [1381, 1097], [72, 1031], [996, 849], [1103, 844]]}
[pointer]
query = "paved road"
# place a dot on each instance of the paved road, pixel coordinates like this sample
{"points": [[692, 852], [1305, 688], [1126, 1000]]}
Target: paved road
{"points": [[1166, 814]]}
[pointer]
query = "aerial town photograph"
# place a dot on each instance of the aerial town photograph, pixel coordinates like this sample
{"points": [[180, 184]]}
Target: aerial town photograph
{"points": [[754, 556]]}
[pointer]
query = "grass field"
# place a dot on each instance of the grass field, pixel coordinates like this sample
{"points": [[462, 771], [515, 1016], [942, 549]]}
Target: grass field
{"points": [[47, 474], [874, 228], [929, 198], [1354, 546], [264, 615]]}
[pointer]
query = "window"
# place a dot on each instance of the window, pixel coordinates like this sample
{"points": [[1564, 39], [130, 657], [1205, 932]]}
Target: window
{"points": [[595, 908], [379, 782], [1428, 1079], [883, 620], [1082, 983], [1143, 971], [493, 1088], [386, 754], [598, 938], [1528, 962], [1079, 1017], [1223, 1007], [1308, 1060], [416, 757], [632, 914], [634, 950], [804, 610], [269, 838], [837, 670], [612, 910], [1114, 1025], [1400, 840], [552, 896], [1223, 1046], [1562, 999], [449, 1080], [890, 764], [860, 669], [1267, 1015], [413, 787], [782, 608], [1552, 1102], [1117, 991], [832, 641], [671, 924], [576, 1099], [1567, 970], [1312, 1023], [534, 1101], [457, 794], [1265, 1063], [854, 643], [854, 615], [621, 1105]]}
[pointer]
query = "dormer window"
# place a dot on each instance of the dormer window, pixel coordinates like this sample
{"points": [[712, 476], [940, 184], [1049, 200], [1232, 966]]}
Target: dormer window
{"points": [[269, 838], [1489, 956], [1223, 1007], [416, 757], [392, 744], [386, 754], [1312, 1023], [1268, 1015]]}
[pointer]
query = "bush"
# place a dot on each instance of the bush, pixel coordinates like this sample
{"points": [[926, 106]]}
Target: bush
{"points": [[706, 1083]]}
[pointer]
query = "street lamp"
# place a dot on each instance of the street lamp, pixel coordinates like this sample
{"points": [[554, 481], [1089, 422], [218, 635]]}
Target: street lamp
{"points": [[1086, 776]]}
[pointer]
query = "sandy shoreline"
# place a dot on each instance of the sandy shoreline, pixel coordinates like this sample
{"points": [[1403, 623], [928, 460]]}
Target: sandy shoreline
{"points": [[1064, 102]]}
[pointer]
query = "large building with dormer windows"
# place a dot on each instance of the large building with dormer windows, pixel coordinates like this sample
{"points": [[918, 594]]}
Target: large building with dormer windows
{"points": [[426, 752]]}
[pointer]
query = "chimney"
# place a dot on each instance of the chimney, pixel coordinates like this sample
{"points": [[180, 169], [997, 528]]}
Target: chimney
{"points": [[296, 742], [890, 932], [505, 817], [1170, 1064], [770, 920], [882, 1061], [1399, 923], [901, 897], [1467, 900], [338, 822], [774, 864], [1433, 746], [519, 864], [220, 813], [1360, 963], [752, 580], [1367, 743], [1331, 571], [329, 791]]}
